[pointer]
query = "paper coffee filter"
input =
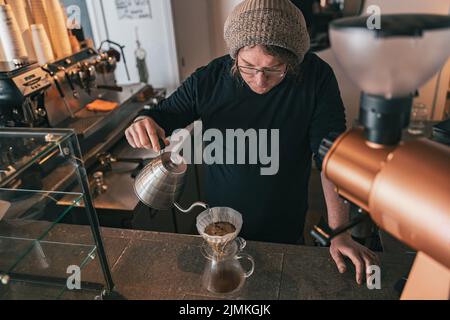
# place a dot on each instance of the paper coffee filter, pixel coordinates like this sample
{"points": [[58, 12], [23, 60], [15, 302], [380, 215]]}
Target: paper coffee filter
{"points": [[215, 215]]}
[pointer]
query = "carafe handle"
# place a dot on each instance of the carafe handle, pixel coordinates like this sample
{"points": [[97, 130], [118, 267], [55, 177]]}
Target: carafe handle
{"points": [[241, 243], [252, 261]]}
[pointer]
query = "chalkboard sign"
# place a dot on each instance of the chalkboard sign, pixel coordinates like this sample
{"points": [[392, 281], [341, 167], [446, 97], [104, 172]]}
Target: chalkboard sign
{"points": [[133, 9]]}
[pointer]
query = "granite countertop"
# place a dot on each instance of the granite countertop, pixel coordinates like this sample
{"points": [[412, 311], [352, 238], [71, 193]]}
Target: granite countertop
{"points": [[149, 265]]}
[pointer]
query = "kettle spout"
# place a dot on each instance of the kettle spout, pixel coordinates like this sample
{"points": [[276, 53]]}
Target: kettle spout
{"points": [[196, 204]]}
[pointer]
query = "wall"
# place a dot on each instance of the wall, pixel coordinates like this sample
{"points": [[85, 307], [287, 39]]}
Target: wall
{"points": [[156, 35], [193, 34], [218, 13], [199, 31]]}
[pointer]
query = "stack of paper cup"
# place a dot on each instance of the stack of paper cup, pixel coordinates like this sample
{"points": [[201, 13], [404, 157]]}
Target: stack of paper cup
{"points": [[42, 46], [10, 37], [2, 55], [59, 35], [19, 9], [39, 13], [29, 15]]}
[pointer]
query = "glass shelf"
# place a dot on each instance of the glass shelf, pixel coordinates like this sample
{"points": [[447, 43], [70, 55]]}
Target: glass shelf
{"points": [[39, 238], [24, 224], [22, 148], [32, 291], [45, 267]]}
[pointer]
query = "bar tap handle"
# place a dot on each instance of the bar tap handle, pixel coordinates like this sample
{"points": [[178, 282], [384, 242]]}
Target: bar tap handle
{"points": [[58, 88], [63, 96], [81, 81], [75, 93]]}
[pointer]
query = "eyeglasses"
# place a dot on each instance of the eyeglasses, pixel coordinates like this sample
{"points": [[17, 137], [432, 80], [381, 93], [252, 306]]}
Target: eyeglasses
{"points": [[268, 73]]}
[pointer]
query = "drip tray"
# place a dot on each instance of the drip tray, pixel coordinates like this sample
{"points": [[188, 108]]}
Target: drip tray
{"points": [[85, 126]]}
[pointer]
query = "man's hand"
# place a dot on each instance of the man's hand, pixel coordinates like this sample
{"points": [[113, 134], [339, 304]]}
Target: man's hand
{"points": [[362, 257], [145, 134]]}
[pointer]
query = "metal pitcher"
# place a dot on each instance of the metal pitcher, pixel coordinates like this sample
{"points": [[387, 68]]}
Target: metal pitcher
{"points": [[161, 183]]}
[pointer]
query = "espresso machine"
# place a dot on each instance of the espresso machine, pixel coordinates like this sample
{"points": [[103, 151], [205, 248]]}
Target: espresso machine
{"points": [[56, 95], [31, 95]]}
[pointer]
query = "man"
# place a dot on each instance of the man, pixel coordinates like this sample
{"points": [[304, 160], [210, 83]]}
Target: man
{"points": [[269, 81]]}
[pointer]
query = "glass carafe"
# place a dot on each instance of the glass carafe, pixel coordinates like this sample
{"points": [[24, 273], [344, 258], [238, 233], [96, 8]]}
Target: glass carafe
{"points": [[223, 272]]}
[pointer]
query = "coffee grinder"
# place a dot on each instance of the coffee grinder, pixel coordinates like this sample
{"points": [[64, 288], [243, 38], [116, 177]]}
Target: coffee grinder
{"points": [[22, 90], [402, 185]]}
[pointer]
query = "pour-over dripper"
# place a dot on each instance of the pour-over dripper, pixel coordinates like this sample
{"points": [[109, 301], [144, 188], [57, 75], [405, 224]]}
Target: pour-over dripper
{"points": [[217, 215], [223, 273]]}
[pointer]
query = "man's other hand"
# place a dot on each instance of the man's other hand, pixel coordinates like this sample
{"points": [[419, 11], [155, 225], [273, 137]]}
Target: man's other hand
{"points": [[361, 257]]}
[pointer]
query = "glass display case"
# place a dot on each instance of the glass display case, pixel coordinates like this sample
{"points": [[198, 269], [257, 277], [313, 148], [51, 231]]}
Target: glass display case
{"points": [[43, 253]]}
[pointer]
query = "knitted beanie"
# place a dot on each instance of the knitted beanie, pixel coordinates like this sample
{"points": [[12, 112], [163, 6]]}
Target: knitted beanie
{"points": [[267, 22]]}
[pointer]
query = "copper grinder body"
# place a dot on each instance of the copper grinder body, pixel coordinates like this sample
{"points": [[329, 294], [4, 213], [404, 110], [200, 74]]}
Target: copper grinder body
{"points": [[405, 188]]}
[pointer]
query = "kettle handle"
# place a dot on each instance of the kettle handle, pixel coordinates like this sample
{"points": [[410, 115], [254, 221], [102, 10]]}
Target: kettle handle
{"points": [[252, 261]]}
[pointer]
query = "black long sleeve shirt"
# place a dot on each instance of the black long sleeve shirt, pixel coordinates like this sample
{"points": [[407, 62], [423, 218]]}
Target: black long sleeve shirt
{"points": [[304, 108]]}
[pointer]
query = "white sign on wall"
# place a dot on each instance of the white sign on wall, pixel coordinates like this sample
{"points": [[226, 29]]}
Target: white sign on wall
{"points": [[73, 17], [133, 9]]}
